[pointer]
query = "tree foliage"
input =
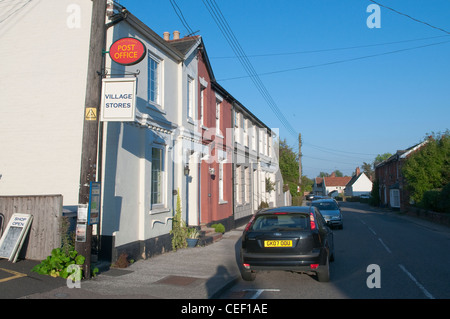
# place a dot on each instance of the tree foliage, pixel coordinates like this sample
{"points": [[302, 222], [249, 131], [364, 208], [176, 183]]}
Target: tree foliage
{"points": [[289, 166], [429, 167]]}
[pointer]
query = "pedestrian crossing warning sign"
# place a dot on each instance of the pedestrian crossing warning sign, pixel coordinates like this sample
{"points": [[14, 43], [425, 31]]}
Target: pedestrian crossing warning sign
{"points": [[91, 114]]}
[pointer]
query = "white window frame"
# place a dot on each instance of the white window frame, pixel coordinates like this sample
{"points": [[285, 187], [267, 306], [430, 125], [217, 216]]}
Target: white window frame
{"points": [[221, 199], [394, 198], [190, 97], [237, 118], [157, 100], [246, 137], [253, 137], [202, 105], [161, 182], [238, 186], [247, 184]]}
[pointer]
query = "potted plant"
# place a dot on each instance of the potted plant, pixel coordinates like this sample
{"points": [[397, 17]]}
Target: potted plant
{"points": [[192, 236]]}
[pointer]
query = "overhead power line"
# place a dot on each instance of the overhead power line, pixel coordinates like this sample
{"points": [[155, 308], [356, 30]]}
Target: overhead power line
{"points": [[340, 61], [229, 35], [331, 49], [409, 17]]}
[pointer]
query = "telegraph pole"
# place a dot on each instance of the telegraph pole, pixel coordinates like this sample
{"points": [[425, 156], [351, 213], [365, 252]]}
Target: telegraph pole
{"points": [[300, 159], [89, 150]]}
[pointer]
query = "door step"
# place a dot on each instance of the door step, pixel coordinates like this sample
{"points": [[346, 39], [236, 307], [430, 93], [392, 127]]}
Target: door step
{"points": [[208, 235]]}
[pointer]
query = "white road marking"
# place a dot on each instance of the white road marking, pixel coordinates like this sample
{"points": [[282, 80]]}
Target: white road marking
{"points": [[373, 232], [384, 245], [421, 287], [258, 292]]}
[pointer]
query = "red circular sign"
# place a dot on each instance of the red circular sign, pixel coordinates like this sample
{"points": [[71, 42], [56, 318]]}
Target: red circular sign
{"points": [[127, 51]]}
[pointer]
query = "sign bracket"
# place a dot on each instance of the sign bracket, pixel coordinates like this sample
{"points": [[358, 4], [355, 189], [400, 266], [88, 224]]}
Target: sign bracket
{"points": [[105, 73]]}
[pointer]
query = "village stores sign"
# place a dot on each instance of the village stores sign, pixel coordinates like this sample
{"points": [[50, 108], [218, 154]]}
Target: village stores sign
{"points": [[119, 94]]}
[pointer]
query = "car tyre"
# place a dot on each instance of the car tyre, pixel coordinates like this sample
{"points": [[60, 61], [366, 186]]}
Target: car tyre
{"points": [[248, 275], [323, 273]]}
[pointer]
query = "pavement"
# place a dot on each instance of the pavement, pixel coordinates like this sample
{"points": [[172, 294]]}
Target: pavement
{"points": [[190, 273]]}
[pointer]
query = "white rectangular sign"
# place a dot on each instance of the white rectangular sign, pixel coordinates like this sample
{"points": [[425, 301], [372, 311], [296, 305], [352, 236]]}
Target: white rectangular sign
{"points": [[14, 236], [118, 100]]}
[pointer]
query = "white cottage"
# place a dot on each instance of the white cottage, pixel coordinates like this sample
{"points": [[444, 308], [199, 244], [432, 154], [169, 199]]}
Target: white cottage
{"points": [[359, 185]]}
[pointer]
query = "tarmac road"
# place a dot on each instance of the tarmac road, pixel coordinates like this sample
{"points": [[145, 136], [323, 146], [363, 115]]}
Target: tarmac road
{"points": [[412, 256]]}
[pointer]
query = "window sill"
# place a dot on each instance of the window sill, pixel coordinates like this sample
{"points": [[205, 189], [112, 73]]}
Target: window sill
{"points": [[156, 107], [159, 210]]}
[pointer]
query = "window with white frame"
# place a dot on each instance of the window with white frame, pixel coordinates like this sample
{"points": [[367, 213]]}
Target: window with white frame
{"points": [[202, 104], [154, 80], [261, 141], [218, 103], [246, 132], [190, 97], [221, 182], [157, 176], [269, 145], [395, 198], [237, 132], [238, 185], [253, 137], [247, 184]]}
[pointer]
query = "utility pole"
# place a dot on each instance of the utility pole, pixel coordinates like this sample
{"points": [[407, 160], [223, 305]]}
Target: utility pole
{"points": [[300, 159], [89, 150]]}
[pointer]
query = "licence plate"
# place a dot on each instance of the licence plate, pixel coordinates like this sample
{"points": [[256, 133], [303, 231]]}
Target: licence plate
{"points": [[278, 243]]}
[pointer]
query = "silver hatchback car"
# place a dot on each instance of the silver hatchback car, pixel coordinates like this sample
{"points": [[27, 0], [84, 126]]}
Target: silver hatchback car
{"points": [[330, 211]]}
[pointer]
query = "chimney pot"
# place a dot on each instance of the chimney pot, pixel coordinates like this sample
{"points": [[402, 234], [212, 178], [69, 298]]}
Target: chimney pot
{"points": [[167, 36], [176, 35]]}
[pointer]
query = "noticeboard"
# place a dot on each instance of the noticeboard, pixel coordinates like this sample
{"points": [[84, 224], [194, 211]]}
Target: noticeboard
{"points": [[14, 236], [94, 203]]}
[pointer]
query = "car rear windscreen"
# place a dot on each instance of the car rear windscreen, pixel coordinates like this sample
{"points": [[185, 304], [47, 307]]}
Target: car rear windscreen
{"points": [[326, 206], [281, 222]]}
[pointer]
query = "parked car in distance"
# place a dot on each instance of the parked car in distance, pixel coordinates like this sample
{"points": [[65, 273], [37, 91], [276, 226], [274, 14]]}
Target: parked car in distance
{"points": [[309, 196], [294, 238], [330, 211]]}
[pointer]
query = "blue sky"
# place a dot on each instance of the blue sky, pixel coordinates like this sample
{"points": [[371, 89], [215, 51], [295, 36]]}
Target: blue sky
{"points": [[352, 91]]}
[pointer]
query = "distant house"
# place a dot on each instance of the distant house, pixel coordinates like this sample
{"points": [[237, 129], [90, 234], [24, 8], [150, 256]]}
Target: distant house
{"points": [[359, 184], [317, 187], [325, 185], [392, 184]]}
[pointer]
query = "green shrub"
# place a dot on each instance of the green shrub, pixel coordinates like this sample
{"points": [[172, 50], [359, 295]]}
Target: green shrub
{"points": [[219, 228], [179, 229], [437, 200], [374, 199], [59, 262], [444, 202], [430, 200]]}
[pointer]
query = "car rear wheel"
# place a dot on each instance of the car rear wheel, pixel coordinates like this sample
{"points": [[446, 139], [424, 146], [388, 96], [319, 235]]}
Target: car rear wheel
{"points": [[248, 275], [323, 273]]}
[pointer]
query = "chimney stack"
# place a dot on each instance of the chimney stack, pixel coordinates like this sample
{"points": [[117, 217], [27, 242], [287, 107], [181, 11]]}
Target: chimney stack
{"points": [[357, 171], [176, 35], [167, 36]]}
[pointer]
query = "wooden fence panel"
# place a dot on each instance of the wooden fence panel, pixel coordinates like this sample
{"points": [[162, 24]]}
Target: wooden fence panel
{"points": [[44, 234]]}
